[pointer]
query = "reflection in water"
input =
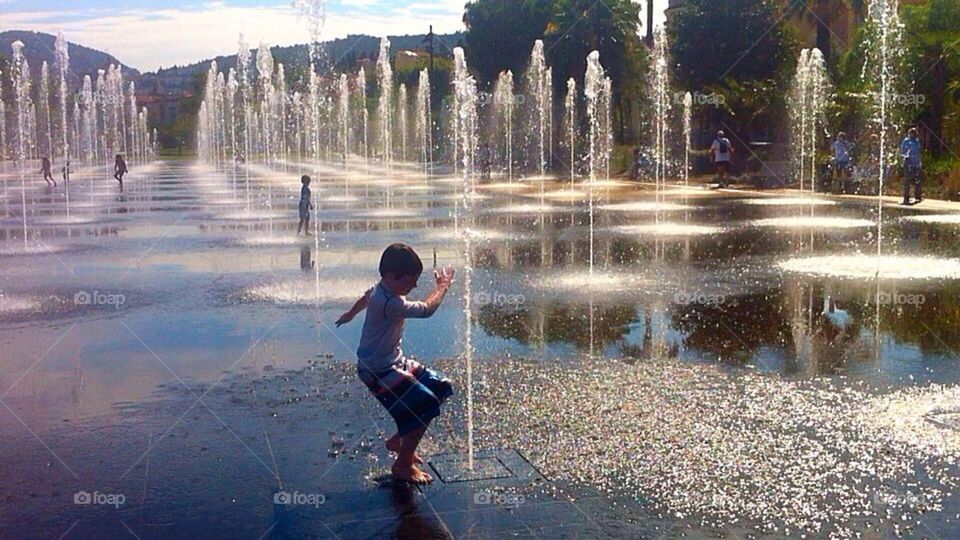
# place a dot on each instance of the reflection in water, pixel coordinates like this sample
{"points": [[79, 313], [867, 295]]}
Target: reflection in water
{"points": [[306, 258], [408, 503]]}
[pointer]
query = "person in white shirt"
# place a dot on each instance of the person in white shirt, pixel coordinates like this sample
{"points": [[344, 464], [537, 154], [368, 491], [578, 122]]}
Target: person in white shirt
{"points": [[721, 153]]}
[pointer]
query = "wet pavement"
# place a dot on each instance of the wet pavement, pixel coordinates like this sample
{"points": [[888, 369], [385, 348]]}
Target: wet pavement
{"points": [[728, 365]]}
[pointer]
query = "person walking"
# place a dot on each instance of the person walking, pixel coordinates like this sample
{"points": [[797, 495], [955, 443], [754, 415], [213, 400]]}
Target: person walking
{"points": [[911, 166]]}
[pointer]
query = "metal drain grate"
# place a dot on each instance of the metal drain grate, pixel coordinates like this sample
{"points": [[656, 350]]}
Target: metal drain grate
{"points": [[487, 465]]}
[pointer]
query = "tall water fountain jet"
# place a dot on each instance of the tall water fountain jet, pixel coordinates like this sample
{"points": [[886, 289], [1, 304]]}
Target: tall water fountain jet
{"points": [[882, 73], [280, 110], [503, 106], [344, 117], [88, 121], [606, 125], [231, 92], [385, 108], [807, 104], [659, 85], [593, 89], [687, 132], [20, 72], [265, 80], [312, 114], [402, 119], [425, 120], [243, 83], [44, 100], [539, 90], [100, 116], [62, 50], [570, 119], [3, 126], [364, 114], [465, 129]]}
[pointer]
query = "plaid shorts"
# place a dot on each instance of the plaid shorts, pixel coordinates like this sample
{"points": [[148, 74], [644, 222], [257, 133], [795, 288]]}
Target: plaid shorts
{"points": [[410, 392]]}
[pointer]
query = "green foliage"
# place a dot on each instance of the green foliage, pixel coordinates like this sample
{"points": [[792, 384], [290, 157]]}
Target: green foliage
{"points": [[579, 27], [932, 40], [739, 50], [500, 34], [712, 41], [440, 76]]}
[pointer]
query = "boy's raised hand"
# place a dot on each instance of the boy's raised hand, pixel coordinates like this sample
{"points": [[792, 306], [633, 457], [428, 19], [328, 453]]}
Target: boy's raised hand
{"points": [[444, 276]]}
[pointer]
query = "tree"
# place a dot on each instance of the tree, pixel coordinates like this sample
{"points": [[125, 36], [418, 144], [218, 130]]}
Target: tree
{"points": [[711, 40], [933, 43], [500, 34], [579, 27], [739, 50]]}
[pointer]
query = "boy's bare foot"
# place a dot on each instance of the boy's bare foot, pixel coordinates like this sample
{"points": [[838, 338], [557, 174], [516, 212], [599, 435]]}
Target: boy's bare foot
{"points": [[410, 473], [393, 445]]}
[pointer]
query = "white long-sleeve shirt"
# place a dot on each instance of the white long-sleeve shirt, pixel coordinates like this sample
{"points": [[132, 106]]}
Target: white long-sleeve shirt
{"points": [[383, 328]]}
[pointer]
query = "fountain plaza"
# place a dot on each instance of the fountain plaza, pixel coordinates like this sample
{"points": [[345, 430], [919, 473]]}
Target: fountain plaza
{"points": [[732, 362]]}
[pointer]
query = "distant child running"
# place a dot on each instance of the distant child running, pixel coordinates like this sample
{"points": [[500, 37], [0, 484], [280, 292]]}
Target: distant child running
{"points": [[45, 171], [410, 392], [305, 206], [119, 169]]}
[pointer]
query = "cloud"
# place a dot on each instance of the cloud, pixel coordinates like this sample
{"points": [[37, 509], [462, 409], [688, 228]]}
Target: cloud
{"points": [[148, 39]]}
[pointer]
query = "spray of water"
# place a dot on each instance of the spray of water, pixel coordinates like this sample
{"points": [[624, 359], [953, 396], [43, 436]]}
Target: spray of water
{"points": [[570, 117], [425, 121], [503, 103], [385, 108], [806, 105], [465, 90]]}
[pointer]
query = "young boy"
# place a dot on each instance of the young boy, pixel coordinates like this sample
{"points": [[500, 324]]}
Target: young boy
{"points": [[410, 392], [305, 206]]}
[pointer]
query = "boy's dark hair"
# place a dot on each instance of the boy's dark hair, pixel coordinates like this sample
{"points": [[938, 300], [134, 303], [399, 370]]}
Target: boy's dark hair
{"points": [[400, 260], [304, 179]]}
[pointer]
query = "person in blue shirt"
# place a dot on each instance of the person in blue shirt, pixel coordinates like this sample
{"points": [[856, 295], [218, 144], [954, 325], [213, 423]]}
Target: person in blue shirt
{"points": [[841, 157], [910, 161]]}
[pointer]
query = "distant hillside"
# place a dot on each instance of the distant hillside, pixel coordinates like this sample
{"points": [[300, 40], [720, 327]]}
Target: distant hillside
{"points": [[39, 47], [340, 53]]}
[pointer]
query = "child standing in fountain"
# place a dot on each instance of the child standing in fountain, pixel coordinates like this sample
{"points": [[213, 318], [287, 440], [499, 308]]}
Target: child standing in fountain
{"points": [[410, 392], [119, 169], [45, 171], [305, 206]]}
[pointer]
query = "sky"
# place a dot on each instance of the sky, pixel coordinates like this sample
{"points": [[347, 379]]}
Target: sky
{"points": [[148, 34]]}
